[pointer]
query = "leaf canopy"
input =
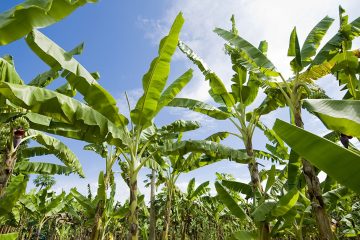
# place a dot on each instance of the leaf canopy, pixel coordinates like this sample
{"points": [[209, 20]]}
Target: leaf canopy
{"points": [[155, 79], [78, 77], [21, 19], [338, 162], [339, 115]]}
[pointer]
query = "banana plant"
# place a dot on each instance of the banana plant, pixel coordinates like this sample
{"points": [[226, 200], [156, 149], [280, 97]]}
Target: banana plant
{"points": [[291, 92], [190, 200], [44, 205], [101, 210], [285, 208], [99, 119], [17, 132], [251, 70], [16, 154]]}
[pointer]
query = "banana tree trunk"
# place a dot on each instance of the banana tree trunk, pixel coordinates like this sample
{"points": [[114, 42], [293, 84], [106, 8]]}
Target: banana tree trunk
{"points": [[98, 224], [314, 191], [264, 227], [38, 232], [6, 169], [152, 206], [167, 213], [133, 219]]}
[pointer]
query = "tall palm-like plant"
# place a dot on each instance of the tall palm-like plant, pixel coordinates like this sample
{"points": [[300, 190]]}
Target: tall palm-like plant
{"points": [[99, 119], [247, 81]]}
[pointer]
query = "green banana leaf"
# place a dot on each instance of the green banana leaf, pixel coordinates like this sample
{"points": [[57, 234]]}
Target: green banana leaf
{"points": [[339, 163], [218, 89], [285, 203], [170, 92], [246, 84], [200, 190], [263, 211], [294, 51], [78, 77], [42, 168], [263, 63], [199, 107], [230, 203], [312, 41], [316, 72], [155, 79], [212, 149], [9, 236], [34, 151], [63, 115], [99, 148], [55, 205], [15, 189], [338, 115], [59, 149], [190, 186], [101, 191], [8, 72], [242, 235], [44, 79], [86, 203], [328, 50], [217, 137], [240, 187], [271, 178], [21, 19], [332, 197], [180, 126]]}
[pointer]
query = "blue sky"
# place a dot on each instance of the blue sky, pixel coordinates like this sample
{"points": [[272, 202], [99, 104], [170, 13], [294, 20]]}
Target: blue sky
{"points": [[121, 39]]}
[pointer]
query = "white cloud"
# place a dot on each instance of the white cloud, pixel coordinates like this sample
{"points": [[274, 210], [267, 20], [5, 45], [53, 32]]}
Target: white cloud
{"points": [[256, 20]]}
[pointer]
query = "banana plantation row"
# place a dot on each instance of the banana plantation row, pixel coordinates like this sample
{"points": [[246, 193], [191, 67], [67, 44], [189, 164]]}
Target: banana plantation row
{"points": [[285, 201]]}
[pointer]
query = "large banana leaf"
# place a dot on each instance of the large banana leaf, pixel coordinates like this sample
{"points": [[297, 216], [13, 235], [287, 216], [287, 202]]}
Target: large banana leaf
{"points": [[230, 203], [212, 149], [79, 78], [285, 203], [329, 49], [263, 63], [55, 205], [218, 89], [86, 203], [34, 151], [263, 211], [59, 149], [313, 40], [44, 79], [180, 126], [41, 168], [316, 72], [9, 236], [200, 107], [13, 192], [338, 162], [155, 79], [101, 191], [200, 190], [338, 115], [240, 187], [242, 235], [8, 72], [21, 19], [170, 92], [294, 51], [63, 115]]}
